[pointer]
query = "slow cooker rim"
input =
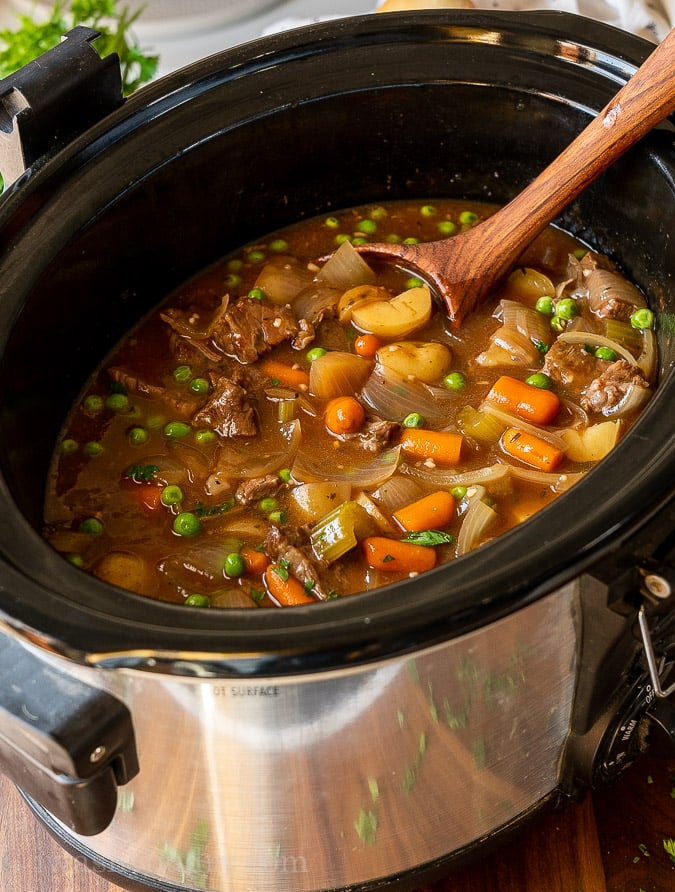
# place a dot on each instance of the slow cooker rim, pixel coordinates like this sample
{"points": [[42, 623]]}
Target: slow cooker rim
{"points": [[371, 619]]}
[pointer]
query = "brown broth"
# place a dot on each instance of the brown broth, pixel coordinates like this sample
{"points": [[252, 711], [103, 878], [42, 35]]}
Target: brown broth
{"points": [[120, 423]]}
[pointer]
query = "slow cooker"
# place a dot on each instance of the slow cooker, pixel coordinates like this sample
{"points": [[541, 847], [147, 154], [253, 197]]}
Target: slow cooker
{"points": [[377, 739]]}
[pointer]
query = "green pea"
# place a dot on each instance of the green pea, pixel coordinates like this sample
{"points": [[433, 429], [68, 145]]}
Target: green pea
{"points": [[182, 373], [196, 600], [458, 492], [234, 565], [558, 323], [187, 524], [177, 429], [232, 280], [566, 308], [540, 380], [454, 381], [580, 253], [315, 353], [93, 404], [605, 353], [410, 240], [171, 495], [92, 449], [413, 282], [331, 222], [268, 504], [138, 436], [642, 318], [205, 436], [446, 227], [277, 517], [154, 422], [68, 446], [367, 226], [75, 559], [235, 264], [378, 213], [255, 256], [414, 419], [92, 526], [393, 239], [545, 305], [342, 238], [359, 240], [428, 210], [285, 475], [279, 245], [199, 385], [468, 218], [118, 402]]}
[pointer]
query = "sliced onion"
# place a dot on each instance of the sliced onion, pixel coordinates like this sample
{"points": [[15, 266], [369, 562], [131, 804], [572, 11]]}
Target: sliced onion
{"points": [[648, 357], [597, 340], [392, 397], [607, 286], [313, 302], [345, 268], [557, 482], [199, 568], [368, 476], [282, 279], [511, 420], [236, 461], [634, 398], [338, 373], [397, 492], [171, 471], [232, 597], [477, 520], [448, 479], [527, 320]]}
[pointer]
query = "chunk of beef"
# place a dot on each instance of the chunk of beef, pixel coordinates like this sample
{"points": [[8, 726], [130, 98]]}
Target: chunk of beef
{"points": [[228, 411], [375, 434], [181, 404], [571, 365], [256, 488], [250, 328], [607, 391], [289, 546]]}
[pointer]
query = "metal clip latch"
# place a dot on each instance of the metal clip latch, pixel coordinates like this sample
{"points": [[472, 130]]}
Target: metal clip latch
{"points": [[659, 588]]}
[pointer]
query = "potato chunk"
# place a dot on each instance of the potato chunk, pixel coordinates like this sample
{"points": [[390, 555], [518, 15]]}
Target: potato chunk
{"points": [[425, 361], [394, 318]]}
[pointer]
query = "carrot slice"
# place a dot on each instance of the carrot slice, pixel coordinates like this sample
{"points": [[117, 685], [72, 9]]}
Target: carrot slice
{"points": [[284, 588], [441, 446], [285, 374], [344, 415], [256, 561], [533, 450], [432, 512], [396, 556], [535, 404]]}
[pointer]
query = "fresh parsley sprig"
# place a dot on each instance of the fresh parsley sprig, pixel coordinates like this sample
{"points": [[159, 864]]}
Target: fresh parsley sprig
{"points": [[33, 37]]}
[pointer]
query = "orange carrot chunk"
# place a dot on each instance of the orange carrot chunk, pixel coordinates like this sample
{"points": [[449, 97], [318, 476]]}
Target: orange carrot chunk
{"points": [[443, 447], [396, 556], [285, 374], [344, 415], [533, 450], [256, 561], [432, 512], [367, 345], [284, 588], [528, 402]]}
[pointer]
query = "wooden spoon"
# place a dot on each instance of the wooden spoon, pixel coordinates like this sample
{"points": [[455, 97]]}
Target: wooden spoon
{"points": [[465, 267]]}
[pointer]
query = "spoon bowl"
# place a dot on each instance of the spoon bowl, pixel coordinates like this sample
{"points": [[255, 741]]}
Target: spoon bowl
{"points": [[464, 268]]}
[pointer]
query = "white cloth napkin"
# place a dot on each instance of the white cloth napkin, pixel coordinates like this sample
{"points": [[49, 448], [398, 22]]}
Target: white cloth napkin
{"points": [[648, 18]]}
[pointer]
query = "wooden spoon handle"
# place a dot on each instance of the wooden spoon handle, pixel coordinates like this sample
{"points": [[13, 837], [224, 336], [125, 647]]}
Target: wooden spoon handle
{"points": [[644, 101]]}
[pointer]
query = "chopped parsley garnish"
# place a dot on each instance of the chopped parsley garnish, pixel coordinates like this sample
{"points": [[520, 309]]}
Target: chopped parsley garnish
{"points": [[281, 571], [202, 510], [429, 537], [141, 473]]}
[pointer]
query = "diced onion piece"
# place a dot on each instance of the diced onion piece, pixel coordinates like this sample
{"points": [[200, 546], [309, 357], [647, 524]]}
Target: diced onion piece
{"points": [[597, 340], [592, 443], [340, 530], [633, 399], [607, 287], [382, 522], [338, 373], [392, 397], [478, 519], [199, 568], [126, 570], [313, 302], [232, 598], [528, 284], [313, 500], [242, 462], [345, 269], [395, 318], [557, 482], [508, 346], [396, 492], [361, 476], [282, 279], [426, 361]]}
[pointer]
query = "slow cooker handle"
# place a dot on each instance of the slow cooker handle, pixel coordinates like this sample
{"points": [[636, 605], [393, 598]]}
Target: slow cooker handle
{"points": [[50, 101], [66, 744]]}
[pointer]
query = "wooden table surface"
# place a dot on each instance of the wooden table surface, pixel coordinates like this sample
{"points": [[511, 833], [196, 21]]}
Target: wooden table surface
{"points": [[612, 841]]}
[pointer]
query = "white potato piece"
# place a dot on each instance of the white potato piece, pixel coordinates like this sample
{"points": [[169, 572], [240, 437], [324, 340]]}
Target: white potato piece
{"points": [[395, 318], [593, 443], [425, 361], [313, 500], [360, 294]]}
